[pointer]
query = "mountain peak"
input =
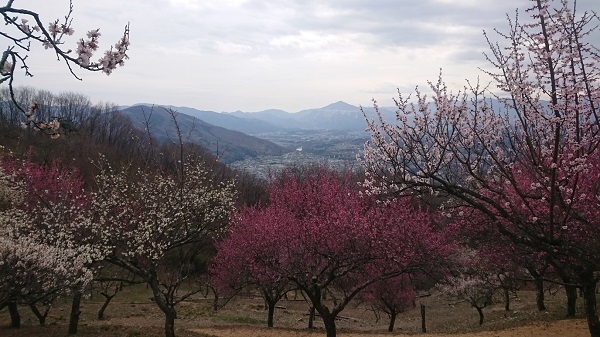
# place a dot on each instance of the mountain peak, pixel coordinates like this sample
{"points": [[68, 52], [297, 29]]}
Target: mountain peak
{"points": [[340, 106]]}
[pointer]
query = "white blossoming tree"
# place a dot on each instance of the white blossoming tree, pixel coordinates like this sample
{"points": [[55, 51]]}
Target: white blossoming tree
{"points": [[24, 27], [159, 224], [475, 279], [527, 159], [31, 269], [32, 272], [473, 289]]}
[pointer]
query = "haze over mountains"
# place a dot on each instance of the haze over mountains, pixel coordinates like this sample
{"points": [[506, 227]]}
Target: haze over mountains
{"points": [[237, 136], [336, 116]]}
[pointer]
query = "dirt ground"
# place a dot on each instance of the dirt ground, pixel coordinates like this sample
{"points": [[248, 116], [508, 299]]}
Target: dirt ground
{"points": [[562, 328], [132, 313]]}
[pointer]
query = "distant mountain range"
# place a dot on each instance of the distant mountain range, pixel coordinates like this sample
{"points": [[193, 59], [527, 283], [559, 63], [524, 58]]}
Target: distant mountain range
{"points": [[229, 145], [234, 135], [336, 116]]}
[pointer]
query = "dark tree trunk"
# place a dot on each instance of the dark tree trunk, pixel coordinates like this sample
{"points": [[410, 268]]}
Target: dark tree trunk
{"points": [[75, 312], [589, 296], [506, 298], [15, 318], [107, 299], [311, 317], [329, 322], [480, 311], [393, 315], [423, 326], [271, 307], [215, 301], [170, 316], [539, 294], [41, 317], [165, 304], [571, 292]]}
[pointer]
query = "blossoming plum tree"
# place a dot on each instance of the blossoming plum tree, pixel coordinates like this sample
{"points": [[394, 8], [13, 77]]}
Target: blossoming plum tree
{"points": [[40, 259], [32, 272], [156, 225], [248, 251], [473, 148], [320, 233], [476, 278], [24, 27], [392, 296]]}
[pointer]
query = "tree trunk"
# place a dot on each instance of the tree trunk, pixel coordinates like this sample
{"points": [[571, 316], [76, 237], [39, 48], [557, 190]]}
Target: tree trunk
{"points": [[506, 292], [107, 299], [571, 299], [393, 315], [215, 301], [165, 304], [311, 317], [480, 311], [41, 317], [589, 296], [271, 307], [170, 316], [75, 312], [423, 326], [15, 318], [329, 322], [539, 294]]}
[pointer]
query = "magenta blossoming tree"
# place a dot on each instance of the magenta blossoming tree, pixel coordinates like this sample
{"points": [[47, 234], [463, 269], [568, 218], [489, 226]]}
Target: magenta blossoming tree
{"points": [[329, 240], [391, 296], [247, 254], [474, 146], [24, 27]]}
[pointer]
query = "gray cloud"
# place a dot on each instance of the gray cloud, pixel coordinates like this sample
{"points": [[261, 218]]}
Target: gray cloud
{"points": [[291, 54]]}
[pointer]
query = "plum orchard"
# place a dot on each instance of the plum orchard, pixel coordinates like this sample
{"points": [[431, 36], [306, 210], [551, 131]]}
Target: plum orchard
{"points": [[527, 161], [154, 225]]}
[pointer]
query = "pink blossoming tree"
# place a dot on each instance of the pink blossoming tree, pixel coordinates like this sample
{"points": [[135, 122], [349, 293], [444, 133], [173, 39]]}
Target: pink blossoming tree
{"points": [[474, 146], [327, 238], [391, 296], [247, 254]]}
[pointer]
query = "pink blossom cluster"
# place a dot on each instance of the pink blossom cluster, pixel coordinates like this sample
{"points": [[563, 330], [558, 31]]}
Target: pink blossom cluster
{"points": [[6, 68], [85, 48], [51, 128]]}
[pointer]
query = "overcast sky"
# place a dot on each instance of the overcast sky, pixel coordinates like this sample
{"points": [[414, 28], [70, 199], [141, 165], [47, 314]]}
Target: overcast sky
{"points": [[251, 55]]}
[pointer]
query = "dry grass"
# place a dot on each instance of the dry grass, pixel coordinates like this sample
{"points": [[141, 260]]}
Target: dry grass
{"points": [[132, 313]]}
